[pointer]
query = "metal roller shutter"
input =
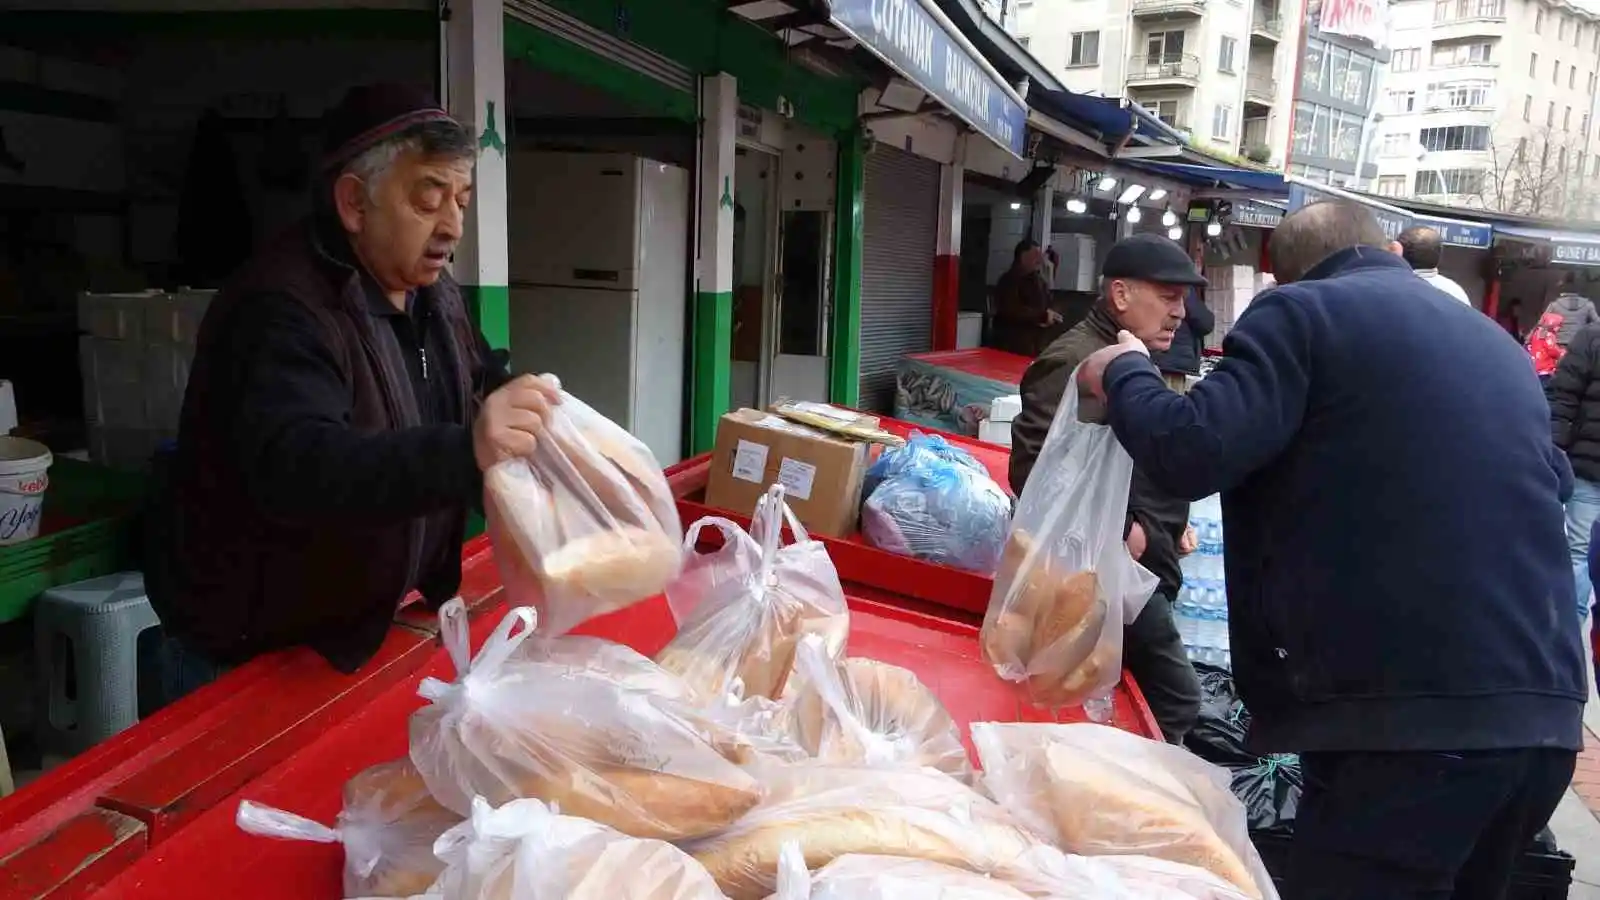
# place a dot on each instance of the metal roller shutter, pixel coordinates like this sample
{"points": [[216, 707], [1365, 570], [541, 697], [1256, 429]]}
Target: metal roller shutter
{"points": [[898, 242], [640, 59]]}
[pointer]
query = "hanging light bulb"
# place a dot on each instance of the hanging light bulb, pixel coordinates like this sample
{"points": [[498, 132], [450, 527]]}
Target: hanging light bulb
{"points": [[1213, 228], [1169, 218], [1158, 193], [1133, 214], [1015, 205], [1076, 206], [1106, 183], [1175, 233]]}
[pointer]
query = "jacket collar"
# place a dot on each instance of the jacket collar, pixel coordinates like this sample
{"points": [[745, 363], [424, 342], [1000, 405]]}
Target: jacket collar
{"points": [[1100, 322], [1354, 258]]}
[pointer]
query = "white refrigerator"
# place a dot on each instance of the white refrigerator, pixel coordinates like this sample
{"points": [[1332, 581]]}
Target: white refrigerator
{"points": [[599, 247]]}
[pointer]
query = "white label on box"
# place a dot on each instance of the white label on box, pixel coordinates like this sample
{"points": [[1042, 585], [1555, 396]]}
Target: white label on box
{"points": [[797, 477], [750, 462]]}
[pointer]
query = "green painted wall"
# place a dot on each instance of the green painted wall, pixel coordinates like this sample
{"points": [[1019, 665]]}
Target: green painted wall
{"points": [[713, 366], [490, 307], [844, 356]]}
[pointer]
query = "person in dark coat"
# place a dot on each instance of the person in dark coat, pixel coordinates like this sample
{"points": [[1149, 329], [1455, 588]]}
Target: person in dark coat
{"points": [[1574, 395], [1182, 359], [1145, 281], [1022, 312], [1400, 594], [340, 409]]}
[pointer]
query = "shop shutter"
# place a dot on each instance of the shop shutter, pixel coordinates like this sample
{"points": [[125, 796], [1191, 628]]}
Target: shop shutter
{"points": [[607, 46], [898, 243]]}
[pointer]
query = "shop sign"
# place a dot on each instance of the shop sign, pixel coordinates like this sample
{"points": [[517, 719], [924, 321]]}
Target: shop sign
{"points": [[1574, 253], [1460, 234], [1256, 215], [1364, 19], [909, 38], [1391, 221]]}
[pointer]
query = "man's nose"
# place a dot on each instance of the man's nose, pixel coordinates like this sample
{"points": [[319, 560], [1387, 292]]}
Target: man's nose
{"points": [[451, 223]]}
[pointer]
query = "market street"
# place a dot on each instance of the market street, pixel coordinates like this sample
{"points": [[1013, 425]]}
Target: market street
{"points": [[1575, 823]]}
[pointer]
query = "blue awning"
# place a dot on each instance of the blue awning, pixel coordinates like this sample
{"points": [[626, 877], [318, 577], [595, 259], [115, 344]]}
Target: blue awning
{"points": [[1231, 177], [1109, 117], [1394, 219], [1571, 247]]}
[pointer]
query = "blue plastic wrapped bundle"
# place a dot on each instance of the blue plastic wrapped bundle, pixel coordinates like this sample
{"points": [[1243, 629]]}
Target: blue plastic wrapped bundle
{"points": [[935, 502]]}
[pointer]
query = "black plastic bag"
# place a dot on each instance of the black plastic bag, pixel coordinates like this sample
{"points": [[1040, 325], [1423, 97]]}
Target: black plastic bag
{"points": [[1218, 734], [1270, 792]]}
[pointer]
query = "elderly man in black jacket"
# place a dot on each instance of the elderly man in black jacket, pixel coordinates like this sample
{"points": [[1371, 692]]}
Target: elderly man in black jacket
{"points": [[1574, 395]]}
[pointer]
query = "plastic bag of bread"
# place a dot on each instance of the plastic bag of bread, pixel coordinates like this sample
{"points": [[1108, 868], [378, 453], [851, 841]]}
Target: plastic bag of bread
{"points": [[1066, 584], [747, 628], [705, 574], [524, 850], [862, 877], [586, 525], [388, 828], [833, 811], [1100, 791], [861, 711], [527, 720]]}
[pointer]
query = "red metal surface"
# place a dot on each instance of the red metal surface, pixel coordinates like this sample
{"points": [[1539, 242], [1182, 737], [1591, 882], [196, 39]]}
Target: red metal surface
{"points": [[211, 857], [75, 859], [995, 365]]}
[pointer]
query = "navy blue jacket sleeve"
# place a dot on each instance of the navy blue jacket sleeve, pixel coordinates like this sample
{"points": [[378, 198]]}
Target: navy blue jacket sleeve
{"points": [[299, 454], [1236, 420]]}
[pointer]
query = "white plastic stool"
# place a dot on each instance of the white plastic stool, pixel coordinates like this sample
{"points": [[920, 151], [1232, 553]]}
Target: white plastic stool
{"points": [[86, 634]]}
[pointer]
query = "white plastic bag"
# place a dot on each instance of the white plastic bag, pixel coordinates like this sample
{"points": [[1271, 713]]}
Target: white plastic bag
{"points": [[705, 574], [526, 851], [585, 526], [530, 719], [387, 828], [861, 711], [833, 811], [1100, 791], [1066, 585], [862, 877], [748, 625]]}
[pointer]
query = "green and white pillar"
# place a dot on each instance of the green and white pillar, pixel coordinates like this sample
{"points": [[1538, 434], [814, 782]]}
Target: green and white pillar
{"points": [[475, 90], [713, 309]]}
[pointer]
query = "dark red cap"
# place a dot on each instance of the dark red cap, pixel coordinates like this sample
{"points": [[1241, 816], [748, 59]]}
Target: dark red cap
{"points": [[370, 114]]}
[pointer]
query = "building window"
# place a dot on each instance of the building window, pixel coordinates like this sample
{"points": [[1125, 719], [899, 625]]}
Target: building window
{"points": [[1555, 72], [1085, 49], [1468, 54], [1311, 69], [1461, 94], [1561, 160], [1550, 115], [1454, 137], [1566, 120], [1455, 181], [1572, 77], [1584, 128], [1590, 82], [1222, 122], [1024, 41], [1164, 47], [1561, 27], [1527, 108], [1166, 111], [1538, 22], [1405, 60], [1391, 185], [1225, 53], [1402, 102], [1454, 10], [1396, 143], [1533, 64]]}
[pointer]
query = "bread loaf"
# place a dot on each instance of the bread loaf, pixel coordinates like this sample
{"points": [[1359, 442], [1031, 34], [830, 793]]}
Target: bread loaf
{"points": [[643, 803], [1046, 629], [389, 826], [892, 704], [834, 811], [862, 877], [615, 567]]}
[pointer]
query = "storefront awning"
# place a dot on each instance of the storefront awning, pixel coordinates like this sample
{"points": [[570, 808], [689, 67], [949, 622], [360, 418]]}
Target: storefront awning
{"points": [[1570, 247], [1231, 177], [1454, 232], [917, 40], [1112, 118]]}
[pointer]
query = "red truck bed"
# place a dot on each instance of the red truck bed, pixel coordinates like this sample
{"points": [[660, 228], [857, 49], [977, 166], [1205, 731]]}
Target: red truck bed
{"points": [[211, 856]]}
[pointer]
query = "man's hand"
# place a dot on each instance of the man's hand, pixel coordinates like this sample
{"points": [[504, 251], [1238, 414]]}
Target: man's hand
{"points": [[1092, 373], [1190, 541], [512, 419], [1051, 317], [1136, 541]]}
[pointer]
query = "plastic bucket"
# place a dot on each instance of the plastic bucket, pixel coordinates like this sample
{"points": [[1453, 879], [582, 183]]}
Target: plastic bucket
{"points": [[24, 467]]}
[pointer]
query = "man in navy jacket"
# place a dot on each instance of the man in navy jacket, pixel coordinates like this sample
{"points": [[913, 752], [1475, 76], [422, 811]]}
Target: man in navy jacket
{"points": [[1401, 601]]}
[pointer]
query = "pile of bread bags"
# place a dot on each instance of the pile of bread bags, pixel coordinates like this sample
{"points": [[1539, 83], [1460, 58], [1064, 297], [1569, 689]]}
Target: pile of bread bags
{"points": [[752, 758]]}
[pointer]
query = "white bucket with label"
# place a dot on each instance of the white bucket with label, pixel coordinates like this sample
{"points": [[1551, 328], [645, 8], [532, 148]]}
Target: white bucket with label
{"points": [[24, 468]]}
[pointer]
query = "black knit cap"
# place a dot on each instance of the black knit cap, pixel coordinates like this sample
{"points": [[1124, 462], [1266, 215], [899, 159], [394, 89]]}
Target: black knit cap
{"points": [[370, 114]]}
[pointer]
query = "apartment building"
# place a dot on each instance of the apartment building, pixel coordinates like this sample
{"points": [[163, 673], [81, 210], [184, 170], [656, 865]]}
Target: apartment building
{"points": [[1337, 86], [1221, 70], [1491, 103]]}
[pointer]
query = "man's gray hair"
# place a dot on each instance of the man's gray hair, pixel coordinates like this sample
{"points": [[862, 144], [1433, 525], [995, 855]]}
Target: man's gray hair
{"points": [[441, 141], [1313, 233]]}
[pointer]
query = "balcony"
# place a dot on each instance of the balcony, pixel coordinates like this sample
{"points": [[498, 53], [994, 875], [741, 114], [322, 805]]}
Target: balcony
{"points": [[1169, 9], [1266, 26], [1163, 69], [1261, 91]]}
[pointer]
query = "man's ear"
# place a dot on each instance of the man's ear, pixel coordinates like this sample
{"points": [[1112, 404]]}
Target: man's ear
{"points": [[350, 200], [1396, 249]]}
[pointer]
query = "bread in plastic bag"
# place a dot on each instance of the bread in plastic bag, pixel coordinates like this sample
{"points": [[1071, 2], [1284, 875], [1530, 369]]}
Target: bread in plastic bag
{"points": [[1066, 585], [861, 711], [524, 850], [527, 720], [862, 877], [388, 828], [1100, 791], [833, 811], [747, 628], [586, 525], [934, 502]]}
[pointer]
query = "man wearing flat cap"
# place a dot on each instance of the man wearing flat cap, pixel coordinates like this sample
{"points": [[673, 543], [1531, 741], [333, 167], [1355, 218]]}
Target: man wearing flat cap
{"points": [[1143, 284], [340, 410]]}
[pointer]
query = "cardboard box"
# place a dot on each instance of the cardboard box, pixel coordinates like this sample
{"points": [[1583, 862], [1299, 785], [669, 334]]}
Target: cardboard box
{"points": [[822, 474]]}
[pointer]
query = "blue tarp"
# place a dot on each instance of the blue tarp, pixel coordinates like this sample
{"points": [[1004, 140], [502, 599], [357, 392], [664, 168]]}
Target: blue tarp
{"points": [[1109, 117], [1232, 177]]}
